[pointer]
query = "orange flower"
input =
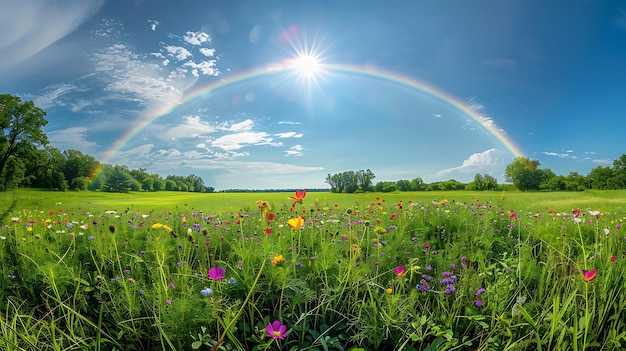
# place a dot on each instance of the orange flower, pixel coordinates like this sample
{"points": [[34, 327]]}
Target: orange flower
{"points": [[295, 223], [298, 198], [590, 275], [278, 259]]}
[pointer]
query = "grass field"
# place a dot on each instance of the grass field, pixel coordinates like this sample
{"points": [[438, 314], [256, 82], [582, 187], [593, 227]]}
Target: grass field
{"points": [[396, 271]]}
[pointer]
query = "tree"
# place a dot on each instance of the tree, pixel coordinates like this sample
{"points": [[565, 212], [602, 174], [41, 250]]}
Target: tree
{"points": [[119, 180], [417, 184], [20, 125], [524, 174]]}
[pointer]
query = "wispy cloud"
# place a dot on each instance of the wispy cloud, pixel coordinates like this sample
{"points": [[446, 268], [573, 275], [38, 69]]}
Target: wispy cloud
{"points": [[71, 138], [28, 27], [295, 150], [566, 154], [153, 24], [239, 140], [288, 135]]}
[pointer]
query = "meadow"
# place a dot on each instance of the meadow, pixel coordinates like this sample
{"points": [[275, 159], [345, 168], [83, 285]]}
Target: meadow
{"points": [[318, 271]]}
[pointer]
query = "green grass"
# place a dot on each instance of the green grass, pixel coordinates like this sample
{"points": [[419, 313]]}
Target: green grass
{"points": [[100, 271]]}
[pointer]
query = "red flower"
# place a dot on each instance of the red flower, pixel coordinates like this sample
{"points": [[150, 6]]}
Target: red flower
{"points": [[590, 275], [576, 213], [300, 194]]}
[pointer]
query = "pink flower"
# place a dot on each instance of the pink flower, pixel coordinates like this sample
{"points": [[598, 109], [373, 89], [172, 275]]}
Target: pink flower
{"points": [[399, 270], [590, 275], [217, 273], [276, 330], [576, 213]]}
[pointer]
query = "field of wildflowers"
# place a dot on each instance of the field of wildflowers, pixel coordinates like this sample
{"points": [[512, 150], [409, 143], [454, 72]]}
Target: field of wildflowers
{"points": [[300, 274]]}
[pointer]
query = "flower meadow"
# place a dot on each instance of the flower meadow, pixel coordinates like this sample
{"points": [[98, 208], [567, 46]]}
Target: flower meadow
{"points": [[305, 275]]}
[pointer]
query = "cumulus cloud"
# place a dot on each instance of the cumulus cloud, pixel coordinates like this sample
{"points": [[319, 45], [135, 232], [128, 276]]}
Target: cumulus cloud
{"points": [[179, 52], [197, 38], [207, 52], [476, 162], [153, 24]]}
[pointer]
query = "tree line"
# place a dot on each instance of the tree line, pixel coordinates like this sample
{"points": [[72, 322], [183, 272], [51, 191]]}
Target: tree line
{"points": [[523, 173], [26, 159]]}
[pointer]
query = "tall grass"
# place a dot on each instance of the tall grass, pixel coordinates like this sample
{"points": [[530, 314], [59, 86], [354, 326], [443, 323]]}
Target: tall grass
{"points": [[405, 271]]}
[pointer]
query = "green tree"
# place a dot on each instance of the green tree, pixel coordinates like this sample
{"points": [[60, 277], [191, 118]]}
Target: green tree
{"points": [[20, 125], [417, 184], [524, 174], [119, 180]]}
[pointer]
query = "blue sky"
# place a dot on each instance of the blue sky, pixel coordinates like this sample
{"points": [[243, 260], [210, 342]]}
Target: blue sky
{"points": [[549, 75]]}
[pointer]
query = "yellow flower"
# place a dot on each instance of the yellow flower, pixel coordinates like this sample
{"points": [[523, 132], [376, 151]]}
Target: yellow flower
{"points": [[264, 207], [167, 228], [157, 225], [295, 223], [278, 259], [389, 291]]}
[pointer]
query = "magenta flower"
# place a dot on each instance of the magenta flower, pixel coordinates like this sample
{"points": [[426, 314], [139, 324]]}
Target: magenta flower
{"points": [[399, 270], [276, 330], [217, 273]]}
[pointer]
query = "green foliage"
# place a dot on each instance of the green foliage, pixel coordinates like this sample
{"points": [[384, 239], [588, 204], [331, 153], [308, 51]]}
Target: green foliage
{"points": [[80, 277]]}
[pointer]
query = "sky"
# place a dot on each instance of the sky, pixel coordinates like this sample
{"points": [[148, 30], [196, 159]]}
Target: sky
{"points": [[278, 94]]}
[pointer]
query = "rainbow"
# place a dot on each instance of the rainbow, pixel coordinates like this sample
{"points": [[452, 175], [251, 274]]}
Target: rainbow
{"points": [[366, 71]]}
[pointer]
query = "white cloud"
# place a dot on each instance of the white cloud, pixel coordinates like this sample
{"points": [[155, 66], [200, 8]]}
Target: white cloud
{"points": [[603, 161], [180, 53], [207, 68], [197, 38], [239, 140], [475, 162], [153, 24], [51, 96], [207, 52], [295, 150], [191, 127], [28, 27], [239, 127], [559, 155], [71, 138], [286, 135]]}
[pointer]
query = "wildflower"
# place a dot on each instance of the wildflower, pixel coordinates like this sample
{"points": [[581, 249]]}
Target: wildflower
{"points": [[217, 273], [180, 246], [480, 291], [478, 303], [613, 258], [278, 259], [90, 237], [112, 228], [264, 207], [172, 285], [157, 225], [389, 291], [295, 223], [276, 330], [576, 213], [595, 214], [590, 275], [141, 292], [232, 281], [206, 292], [168, 301], [298, 198], [399, 270], [607, 231], [379, 230]]}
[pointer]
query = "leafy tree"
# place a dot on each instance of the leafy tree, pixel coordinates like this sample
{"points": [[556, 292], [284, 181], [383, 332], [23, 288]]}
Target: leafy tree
{"points": [[417, 184], [119, 180], [403, 185], [20, 126], [524, 174]]}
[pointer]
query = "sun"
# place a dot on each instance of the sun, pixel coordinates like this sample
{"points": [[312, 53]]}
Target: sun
{"points": [[306, 61]]}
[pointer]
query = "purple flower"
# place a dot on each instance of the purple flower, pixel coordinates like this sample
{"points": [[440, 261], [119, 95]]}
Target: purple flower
{"points": [[169, 302], [217, 273], [478, 303], [276, 330], [480, 291], [172, 285]]}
